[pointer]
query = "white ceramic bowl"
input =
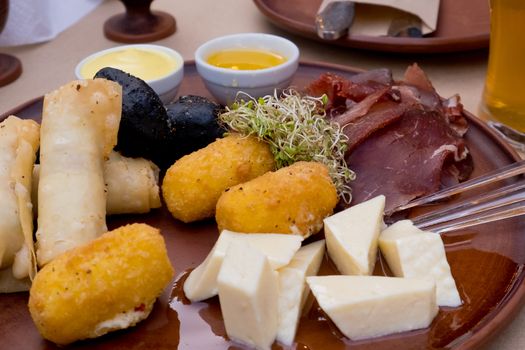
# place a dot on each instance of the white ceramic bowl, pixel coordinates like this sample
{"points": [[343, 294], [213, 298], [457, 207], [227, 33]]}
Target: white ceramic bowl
{"points": [[224, 83], [166, 87]]}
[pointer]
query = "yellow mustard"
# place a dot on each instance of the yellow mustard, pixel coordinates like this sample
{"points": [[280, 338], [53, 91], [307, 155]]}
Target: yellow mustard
{"points": [[245, 59], [146, 64]]}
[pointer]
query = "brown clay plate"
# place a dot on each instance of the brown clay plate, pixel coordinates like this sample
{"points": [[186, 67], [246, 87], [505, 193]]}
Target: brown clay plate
{"points": [[487, 262], [462, 26]]}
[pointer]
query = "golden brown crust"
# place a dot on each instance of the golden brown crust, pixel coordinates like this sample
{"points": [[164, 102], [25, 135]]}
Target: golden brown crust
{"points": [[294, 199], [195, 182], [123, 270]]}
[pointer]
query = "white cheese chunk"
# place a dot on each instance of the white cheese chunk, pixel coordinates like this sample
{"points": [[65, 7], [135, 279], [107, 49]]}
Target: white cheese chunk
{"points": [[202, 281], [248, 293], [372, 306], [351, 236], [293, 290], [413, 253]]}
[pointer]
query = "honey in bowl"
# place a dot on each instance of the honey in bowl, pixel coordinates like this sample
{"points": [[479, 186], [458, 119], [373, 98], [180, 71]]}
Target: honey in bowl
{"points": [[147, 64], [245, 59]]}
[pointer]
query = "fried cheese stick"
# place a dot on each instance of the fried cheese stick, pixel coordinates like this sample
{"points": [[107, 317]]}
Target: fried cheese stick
{"points": [[131, 184], [79, 129], [19, 141]]}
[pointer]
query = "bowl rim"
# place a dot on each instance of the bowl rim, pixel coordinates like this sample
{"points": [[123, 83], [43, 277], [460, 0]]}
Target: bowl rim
{"points": [[201, 61], [171, 52]]}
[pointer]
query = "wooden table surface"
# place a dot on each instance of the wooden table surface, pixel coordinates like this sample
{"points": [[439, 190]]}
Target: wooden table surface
{"points": [[51, 64]]}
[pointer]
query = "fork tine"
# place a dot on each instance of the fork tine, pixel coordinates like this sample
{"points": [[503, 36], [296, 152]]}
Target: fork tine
{"points": [[476, 205], [505, 172], [506, 212]]}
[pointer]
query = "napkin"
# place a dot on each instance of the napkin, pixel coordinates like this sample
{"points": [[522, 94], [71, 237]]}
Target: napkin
{"points": [[373, 17], [34, 21]]}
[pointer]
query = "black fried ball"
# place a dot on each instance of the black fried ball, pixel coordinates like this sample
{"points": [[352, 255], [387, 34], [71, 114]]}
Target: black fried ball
{"points": [[194, 124]]}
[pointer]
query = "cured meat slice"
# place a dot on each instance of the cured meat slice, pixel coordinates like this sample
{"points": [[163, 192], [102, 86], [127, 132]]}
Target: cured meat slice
{"points": [[381, 75], [406, 159], [339, 89], [405, 141], [360, 109], [453, 110], [429, 99], [377, 118], [331, 85], [415, 76]]}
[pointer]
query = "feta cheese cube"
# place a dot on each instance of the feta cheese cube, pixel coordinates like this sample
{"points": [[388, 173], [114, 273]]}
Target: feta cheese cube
{"points": [[372, 306], [293, 290], [248, 293], [411, 252], [279, 248], [351, 236]]}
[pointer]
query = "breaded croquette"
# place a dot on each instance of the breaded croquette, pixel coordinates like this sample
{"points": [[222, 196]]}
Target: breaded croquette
{"points": [[108, 284], [294, 199], [195, 182]]}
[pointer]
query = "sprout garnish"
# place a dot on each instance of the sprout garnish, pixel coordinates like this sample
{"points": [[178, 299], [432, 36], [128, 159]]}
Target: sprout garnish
{"points": [[296, 129]]}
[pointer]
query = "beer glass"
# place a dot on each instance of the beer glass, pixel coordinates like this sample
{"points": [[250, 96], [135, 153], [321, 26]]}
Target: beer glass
{"points": [[504, 94]]}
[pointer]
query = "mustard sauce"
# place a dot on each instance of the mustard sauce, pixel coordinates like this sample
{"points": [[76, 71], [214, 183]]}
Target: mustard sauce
{"points": [[245, 59], [145, 64]]}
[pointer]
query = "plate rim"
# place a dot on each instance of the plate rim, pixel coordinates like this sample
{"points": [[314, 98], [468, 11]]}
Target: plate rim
{"points": [[508, 308], [430, 45]]}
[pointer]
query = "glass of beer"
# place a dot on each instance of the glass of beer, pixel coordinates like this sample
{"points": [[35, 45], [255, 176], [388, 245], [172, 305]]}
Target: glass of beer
{"points": [[504, 94]]}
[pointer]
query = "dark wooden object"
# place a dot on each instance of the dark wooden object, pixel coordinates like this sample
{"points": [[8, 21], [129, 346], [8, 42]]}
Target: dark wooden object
{"points": [[10, 66], [139, 24]]}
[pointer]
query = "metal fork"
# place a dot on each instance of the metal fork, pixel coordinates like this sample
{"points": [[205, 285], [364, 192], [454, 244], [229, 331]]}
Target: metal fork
{"points": [[499, 204]]}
